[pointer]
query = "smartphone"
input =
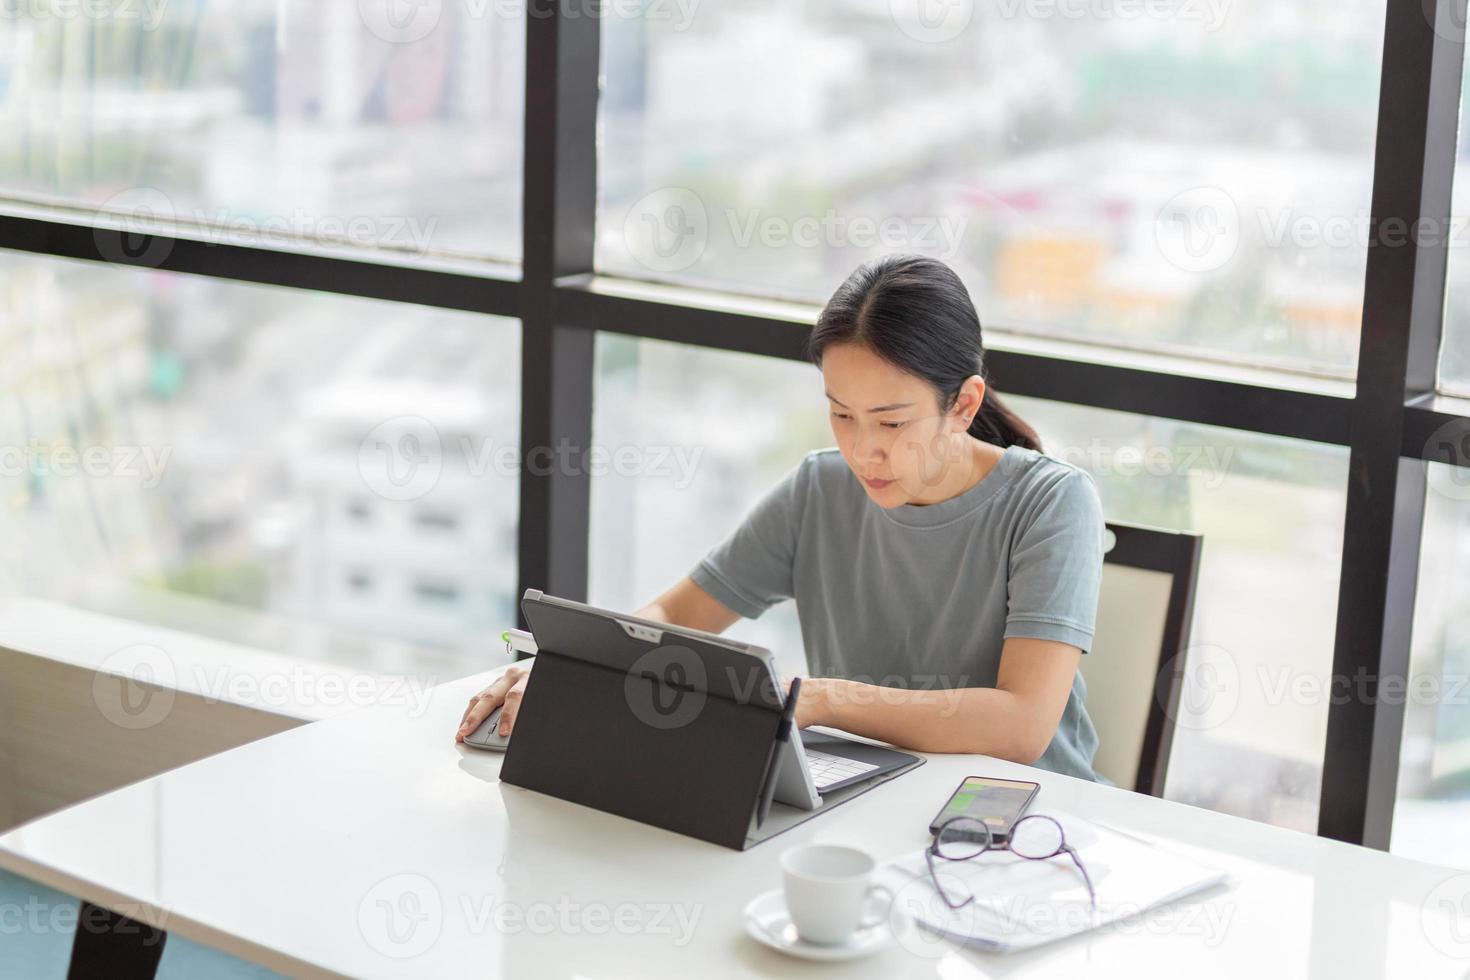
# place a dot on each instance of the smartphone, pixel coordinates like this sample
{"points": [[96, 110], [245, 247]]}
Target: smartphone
{"points": [[998, 803]]}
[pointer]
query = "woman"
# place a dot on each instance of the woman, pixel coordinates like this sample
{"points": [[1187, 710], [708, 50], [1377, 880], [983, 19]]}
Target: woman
{"points": [[945, 572]]}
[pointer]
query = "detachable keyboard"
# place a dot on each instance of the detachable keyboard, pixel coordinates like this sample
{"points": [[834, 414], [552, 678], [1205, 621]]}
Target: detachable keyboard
{"points": [[828, 769]]}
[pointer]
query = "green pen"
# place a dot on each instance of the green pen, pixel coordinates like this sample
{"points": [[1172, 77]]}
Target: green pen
{"points": [[519, 642]]}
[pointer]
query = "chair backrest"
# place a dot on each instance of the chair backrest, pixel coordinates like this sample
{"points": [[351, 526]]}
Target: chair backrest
{"points": [[1135, 667]]}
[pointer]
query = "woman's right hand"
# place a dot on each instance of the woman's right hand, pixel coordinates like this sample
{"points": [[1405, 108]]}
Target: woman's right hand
{"points": [[508, 689]]}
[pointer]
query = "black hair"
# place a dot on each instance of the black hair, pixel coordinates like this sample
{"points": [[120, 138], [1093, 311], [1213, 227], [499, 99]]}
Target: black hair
{"points": [[916, 314]]}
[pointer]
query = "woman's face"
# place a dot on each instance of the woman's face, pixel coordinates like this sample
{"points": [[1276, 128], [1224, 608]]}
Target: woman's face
{"points": [[890, 429]]}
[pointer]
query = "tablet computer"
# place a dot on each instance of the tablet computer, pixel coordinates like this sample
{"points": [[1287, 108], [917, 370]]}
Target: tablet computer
{"points": [[697, 660]]}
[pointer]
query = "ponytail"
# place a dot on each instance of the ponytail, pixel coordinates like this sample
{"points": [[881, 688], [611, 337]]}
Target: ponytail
{"points": [[999, 426]]}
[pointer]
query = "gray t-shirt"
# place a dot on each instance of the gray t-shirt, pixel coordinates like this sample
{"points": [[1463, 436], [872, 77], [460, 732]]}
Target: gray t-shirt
{"points": [[923, 596]]}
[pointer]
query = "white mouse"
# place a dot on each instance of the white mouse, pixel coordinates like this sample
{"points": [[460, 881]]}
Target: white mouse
{"points": [[488, 736]]}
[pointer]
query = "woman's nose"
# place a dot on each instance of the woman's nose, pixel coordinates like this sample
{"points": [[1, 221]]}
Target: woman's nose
{"points": [[870, 448]]}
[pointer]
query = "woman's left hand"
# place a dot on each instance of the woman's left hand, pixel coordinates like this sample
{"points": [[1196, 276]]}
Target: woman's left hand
{"points": [[812, 703]]}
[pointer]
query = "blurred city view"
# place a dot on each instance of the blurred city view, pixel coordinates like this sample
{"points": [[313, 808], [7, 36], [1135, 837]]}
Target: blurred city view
{"points": [[316, 474], [1138, 181]]}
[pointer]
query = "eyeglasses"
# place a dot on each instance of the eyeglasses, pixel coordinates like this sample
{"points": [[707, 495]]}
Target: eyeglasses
{"points": [[1035, 838]]}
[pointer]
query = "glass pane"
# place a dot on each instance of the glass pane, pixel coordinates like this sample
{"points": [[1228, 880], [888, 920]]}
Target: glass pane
{"points": [[1251, 729], [349, 122], [1433, 805], [1195, 177], [1454, 364], [1271, 512], [692, 474], [235, 460]]}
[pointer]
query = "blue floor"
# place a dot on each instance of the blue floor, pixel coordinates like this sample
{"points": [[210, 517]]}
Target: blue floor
{"points": [[36, 926]]}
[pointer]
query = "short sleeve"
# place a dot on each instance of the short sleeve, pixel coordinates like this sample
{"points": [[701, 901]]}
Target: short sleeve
{"points": [[752, 568], [1056, 564]]}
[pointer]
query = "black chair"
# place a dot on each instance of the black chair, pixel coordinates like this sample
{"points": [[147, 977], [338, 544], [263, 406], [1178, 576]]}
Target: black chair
{"points": [[1135, 669]]}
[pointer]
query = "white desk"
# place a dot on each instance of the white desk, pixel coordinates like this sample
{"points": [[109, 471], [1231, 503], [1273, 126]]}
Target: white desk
{"points": [[282, 851]]}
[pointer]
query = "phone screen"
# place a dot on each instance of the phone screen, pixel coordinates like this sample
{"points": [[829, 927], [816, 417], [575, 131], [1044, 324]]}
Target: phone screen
{"points": [[998, 803]]}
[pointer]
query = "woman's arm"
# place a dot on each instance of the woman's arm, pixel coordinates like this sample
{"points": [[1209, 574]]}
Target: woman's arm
{"points": [[1014, 720], [686, 604]]}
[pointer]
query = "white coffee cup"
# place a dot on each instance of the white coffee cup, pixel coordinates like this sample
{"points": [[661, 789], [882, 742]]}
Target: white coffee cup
{"points": [[827, 887]]}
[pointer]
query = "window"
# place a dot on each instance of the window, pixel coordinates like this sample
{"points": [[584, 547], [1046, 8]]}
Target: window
{"points": [[690, 471], [188, 451], [1196, 176], [323, 120], [1454, 362], [1250, 734], [1434, 762], [1271, 512]]}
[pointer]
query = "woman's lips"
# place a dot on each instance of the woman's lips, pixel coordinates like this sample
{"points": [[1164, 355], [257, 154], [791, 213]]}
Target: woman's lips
{"points": [[876, 484]]}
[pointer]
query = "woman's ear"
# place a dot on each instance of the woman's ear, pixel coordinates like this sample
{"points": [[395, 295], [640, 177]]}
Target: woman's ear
{"points": [[968, 401]]}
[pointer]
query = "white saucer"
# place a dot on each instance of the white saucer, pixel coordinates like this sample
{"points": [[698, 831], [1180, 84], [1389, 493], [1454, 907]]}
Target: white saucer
{"points": [[767, 920]]}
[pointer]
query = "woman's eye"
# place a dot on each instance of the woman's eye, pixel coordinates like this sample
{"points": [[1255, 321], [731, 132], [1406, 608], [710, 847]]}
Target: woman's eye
{"points": [[839, 416], [894, 425]]}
